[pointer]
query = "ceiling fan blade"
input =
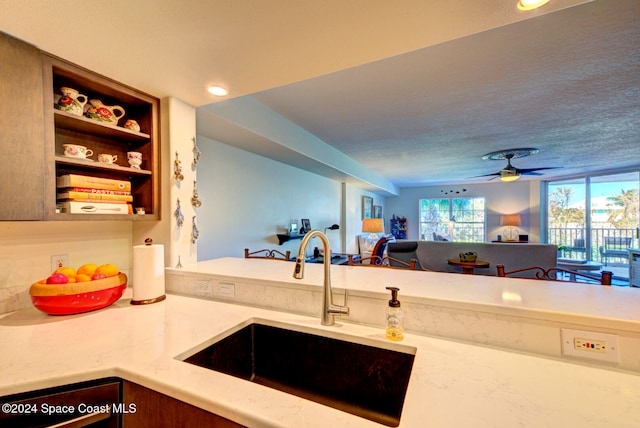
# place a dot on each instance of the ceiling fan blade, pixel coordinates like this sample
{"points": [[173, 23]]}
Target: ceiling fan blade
{"points": [[528, 171], [495, 174]]}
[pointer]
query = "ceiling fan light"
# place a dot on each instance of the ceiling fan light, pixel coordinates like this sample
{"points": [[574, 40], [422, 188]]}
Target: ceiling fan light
{"points": [[509, 177], [531, 4], [509, 174]]}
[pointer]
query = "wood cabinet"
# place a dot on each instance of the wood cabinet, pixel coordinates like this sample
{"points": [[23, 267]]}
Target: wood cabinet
{"points": [[158, 410], [63, 128], [109, 403], [33, 133], [23, 162]]}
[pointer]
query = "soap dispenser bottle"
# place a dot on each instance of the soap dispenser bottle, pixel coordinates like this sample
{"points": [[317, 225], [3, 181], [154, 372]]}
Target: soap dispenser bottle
{"points": [[395, 330]]}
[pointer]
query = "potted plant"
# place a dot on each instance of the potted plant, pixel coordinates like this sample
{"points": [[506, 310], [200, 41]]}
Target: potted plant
{"points": [[561, 250]]}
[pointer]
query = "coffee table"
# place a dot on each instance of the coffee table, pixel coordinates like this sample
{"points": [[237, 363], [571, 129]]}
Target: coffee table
{"points": [[468, 267], [578, 265]]}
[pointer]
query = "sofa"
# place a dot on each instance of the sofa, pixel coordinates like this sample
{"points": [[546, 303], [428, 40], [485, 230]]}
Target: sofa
{"points": [[433, 255]]}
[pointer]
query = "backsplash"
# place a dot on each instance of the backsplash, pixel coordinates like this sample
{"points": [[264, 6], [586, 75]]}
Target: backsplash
{"points": [[26, 249]]}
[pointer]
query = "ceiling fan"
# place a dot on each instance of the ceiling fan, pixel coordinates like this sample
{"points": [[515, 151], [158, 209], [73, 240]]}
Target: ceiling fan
{"points": [[510, 172]]}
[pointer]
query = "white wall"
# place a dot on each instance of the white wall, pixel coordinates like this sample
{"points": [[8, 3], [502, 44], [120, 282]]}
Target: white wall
{"points": [[352, 197], [178, 129], [501, 198], [247, 199]]}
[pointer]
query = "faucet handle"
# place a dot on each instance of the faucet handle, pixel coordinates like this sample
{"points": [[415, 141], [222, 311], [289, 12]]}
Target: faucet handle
{"points": [[338, 310]]}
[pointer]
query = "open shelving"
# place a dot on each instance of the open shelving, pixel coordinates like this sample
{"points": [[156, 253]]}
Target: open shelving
{"points": [[63, 128]]}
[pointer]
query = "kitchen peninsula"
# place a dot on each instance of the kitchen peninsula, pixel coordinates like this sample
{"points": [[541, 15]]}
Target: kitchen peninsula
{"points": [[523, 315], [452, 384]]}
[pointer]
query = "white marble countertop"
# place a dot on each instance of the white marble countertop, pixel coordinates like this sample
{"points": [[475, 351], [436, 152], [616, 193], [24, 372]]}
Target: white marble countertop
{"points": [[452, 384]]}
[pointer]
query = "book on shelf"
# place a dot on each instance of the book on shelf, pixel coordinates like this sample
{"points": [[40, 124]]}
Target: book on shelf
{"points": [[93, 207], [94, 197], [96, 191], [86, 181]]}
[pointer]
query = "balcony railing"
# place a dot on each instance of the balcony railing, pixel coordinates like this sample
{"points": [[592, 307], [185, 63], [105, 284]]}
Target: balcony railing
{"points": [[575, 241]]}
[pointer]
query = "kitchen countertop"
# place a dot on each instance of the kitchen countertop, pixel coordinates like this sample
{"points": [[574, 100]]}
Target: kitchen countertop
{"points": [[452, 384]]}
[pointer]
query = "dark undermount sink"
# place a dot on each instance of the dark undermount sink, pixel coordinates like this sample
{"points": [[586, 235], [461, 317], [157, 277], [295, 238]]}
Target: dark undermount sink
{"points": [[364, 380]]}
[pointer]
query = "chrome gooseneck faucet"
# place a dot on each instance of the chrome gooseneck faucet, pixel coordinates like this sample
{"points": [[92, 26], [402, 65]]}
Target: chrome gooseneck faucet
{"points": [[329, 310]]}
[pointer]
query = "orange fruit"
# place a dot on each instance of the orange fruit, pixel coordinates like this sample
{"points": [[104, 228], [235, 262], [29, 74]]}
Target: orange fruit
{"points": [[87, 269], [108, 269], [72, 279], [69, 272], [82, 277]]}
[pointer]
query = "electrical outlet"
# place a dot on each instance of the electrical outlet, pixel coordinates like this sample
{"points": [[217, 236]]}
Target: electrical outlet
{"points": [[58, 261], [591, 345], [226, 289]]}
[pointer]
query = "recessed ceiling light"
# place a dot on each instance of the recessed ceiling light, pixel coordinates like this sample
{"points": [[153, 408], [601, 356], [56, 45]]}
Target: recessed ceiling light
{"points": [[531, 4], [218, 91]]}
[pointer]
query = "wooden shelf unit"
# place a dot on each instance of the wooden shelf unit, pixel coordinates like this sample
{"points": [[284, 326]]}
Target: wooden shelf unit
{"points": [[64, 128]]}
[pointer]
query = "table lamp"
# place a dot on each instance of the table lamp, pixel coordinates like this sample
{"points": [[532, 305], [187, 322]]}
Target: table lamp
{"points": [[510, 220], [373, 226]]}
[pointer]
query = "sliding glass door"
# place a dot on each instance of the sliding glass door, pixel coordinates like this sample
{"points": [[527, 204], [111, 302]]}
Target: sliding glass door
{"points": [[595, 218]]}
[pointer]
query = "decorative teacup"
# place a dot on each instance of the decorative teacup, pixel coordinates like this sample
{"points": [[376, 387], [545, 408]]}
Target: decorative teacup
{"points": [[71, 101], [132, 125], [105, 158], [134, 159], [76, 151]]}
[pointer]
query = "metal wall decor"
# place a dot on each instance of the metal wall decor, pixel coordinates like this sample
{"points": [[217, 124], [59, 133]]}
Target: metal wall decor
{"points": [[179, 215], [177, 169], [195, 201], [179, 265], [194, 231], [457, 192], [196, 154]]}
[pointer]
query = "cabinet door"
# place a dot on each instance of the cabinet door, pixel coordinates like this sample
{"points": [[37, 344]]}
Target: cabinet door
{"points": [[23, 156], [158, 410]]}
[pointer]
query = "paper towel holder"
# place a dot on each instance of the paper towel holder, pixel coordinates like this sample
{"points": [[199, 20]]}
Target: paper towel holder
{"points": [[160, 298]]}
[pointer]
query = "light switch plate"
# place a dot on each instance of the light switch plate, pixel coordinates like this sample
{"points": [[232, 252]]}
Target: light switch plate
{"points": [[226, 289], [203, 287]]}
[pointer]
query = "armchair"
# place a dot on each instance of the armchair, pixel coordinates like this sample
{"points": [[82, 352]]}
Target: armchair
{"points": [[615, 247]]}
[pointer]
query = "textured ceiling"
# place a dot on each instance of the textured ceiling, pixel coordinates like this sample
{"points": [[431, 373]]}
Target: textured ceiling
{"points": [[416, 91], [567, 83]]}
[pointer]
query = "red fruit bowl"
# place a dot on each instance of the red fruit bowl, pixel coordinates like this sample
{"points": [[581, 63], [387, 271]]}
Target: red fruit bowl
{"points": [[79, 297]]}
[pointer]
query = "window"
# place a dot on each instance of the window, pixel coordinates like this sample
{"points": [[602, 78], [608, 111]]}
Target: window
{"points": [[452, 219], [595, 218]]}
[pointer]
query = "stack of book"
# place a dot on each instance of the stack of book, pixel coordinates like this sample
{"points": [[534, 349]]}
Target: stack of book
{"points": [[81, 194]]}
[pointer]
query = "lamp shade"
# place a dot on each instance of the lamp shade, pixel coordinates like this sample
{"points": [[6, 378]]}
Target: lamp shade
{"points": [[511, 220], [372, 225]]}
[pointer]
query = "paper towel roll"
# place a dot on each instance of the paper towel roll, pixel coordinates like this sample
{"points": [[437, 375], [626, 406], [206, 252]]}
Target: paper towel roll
{"points": [[148, 274]]}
